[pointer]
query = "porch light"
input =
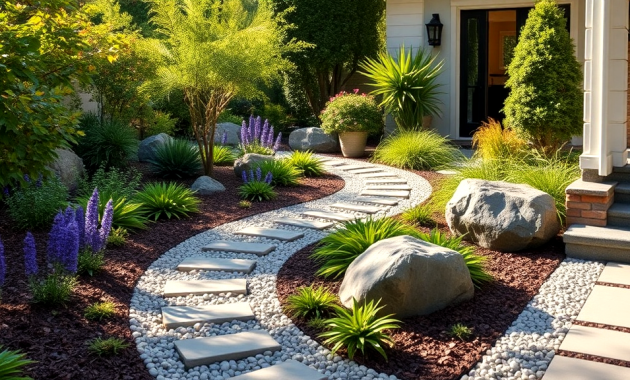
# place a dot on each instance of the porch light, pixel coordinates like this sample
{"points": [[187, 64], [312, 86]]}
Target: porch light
{"points": [[434, 30]]}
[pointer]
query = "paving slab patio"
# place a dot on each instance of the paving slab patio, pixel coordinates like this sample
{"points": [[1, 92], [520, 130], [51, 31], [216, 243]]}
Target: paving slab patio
{"points": [[177, 316], [201, 287], [607, 305], [271, 233], [239, 247], [564, 368], [289, 370], [216, 264], [616, 273]]}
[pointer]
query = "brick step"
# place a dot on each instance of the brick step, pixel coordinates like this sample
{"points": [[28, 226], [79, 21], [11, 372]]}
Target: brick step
{"points": [[178, 316], [289, 370], [598, 243], [619, 215]]}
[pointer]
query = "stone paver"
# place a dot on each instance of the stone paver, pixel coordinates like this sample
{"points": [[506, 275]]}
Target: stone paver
{"points": [[215, 264], [607, 305], [385, 181], [204, 351], [336, 216], [563, 368], [388, 187], [289, 370], [346, 168], [271, 233], [378, 201], [335, 163], [379, 175], [177, 316], [201, 287], [373, 169], [239, 247], [598, 342], [616, 273], [314, 224], [386, 193], [359, 208]]}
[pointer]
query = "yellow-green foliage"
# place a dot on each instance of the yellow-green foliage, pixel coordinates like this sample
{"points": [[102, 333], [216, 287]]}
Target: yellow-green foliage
{"points": [[492, 142]]}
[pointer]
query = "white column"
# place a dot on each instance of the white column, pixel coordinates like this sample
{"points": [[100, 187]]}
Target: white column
{"points": [[605, 86]]}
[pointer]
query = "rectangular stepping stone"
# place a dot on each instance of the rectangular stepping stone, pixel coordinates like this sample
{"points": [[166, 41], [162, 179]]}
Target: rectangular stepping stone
{"points": [[351, 167], [200, 287], [616, 273], [239, 247], [204, 351], [305, 223], [378, 201], [607, 305], [389, 187], [386, 181], [335, 163], [214, 264], [598, 342], [324, 158], [271, 233], [366, 170], [289, 370], [379, 175], [177, 316], [564, 368], [387, 193], [359, 208], [336, 216]]}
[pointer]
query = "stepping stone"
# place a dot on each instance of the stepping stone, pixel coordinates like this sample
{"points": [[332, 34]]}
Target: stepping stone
{"points": [[214, 264], [201, 287], [239, 247], [385, 193], [387, 181], [352, 167], [564, 368], [205, 351], [373, 169], [598, 342], [305, 223], [389, 187], [178, 316], [359, 208], [289, 370], [446, 172], [336, 216], [335, 163], [378, 201], [616, 273], [379, 175], [271, 233], [607, 305], [324, 158]]}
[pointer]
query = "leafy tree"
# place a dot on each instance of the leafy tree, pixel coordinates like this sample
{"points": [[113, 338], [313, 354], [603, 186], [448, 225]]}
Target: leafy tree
{"points": [[341, 33], [545, 101], [213, 50]]}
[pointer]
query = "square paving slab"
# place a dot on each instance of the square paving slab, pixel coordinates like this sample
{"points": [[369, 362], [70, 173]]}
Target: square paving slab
{"points": [[385, 181], [378, 201], [239, 247], [336, 216], [305, 223], [359, 208], [598, 342], [616, 273], [388, 187], [386, 193], [271, 233], [214, 264], [379, 175], [289, 370], [200, 287], [607, 305], [176, 316], [373, 169], [563, 368], [204, 351]]}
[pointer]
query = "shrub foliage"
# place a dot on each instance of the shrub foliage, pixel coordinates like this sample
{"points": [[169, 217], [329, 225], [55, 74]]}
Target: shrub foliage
{"points": [[307, 164], [177, 159], [167, 200], [418, 150], [311, 302], [35, 204]]}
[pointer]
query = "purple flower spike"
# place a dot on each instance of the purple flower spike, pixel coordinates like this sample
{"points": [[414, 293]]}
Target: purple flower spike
{"points": [[106, 224], [269, 141], [258, 174], [69, 215], [251, 175], [39, 180], [265, 132], [55, 240], [224, 138], [258, 128], [91, 221], [27, 178], [268, 178], [3, 265], [276, 146], [80, 218], [70, 259], [244, 175], [244, 133], [6, 191], [250, 129], [30, 255]]}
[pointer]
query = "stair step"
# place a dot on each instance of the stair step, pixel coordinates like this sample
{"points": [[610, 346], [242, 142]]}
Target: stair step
{"points": [[239, 247], [385, 181], [378, 201], [289, 370], [359, 208], [384, 193], [389, 187], [215, 264], [205, 351], [336, 216], [201, 287], [373, 169], [619, 215], [178, 316], [271, 233], [598, 243], [379, 175], [622, 193], [305, 223]]}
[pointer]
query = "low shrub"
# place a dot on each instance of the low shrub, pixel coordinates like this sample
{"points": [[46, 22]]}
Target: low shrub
{"points": [[244, 204], [111, 143], [223, 155], [118, 237], [160, 122], [316, 323], [311, 302], [177, 159], [90, 262], [257, 191], [124, 183], [347, 112], [307, 164], [100, 310], [421, 215], [35, 204], [167, 200], [107, 347], [492, 142], [12, 365], [460, 331], [282, 171]]}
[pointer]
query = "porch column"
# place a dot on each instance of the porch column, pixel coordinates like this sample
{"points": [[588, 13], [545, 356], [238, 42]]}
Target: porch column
{"points": [[605, 87]]}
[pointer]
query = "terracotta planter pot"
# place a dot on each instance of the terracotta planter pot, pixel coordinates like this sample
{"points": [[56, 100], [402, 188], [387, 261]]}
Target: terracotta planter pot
{"points": [[353, 144]]}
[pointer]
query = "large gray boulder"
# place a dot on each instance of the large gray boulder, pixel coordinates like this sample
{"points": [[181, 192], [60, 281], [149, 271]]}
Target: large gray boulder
{"points": [[410, 276], [313, 139], [68, 167], [233, 133], [205, 185], [150, 145], [249, 162], [502, 216]]}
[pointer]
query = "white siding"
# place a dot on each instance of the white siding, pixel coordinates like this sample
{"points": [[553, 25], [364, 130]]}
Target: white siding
{"points": [[405, 24]]}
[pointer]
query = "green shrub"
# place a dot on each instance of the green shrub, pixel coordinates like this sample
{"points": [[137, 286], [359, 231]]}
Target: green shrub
{"points": [[257, 191], [460, 332], [307, 164], [117, 237], [421, 215], [228, 117], [352, 113], [493, 142], [316, 323], [282, 171], [35, 204], [244, 204], [128, 214], [360, 329], [111, 143], [54, 289], [124, 183], [223, 155], [107, 347], [311, 302], [418, 150], [177, 159], [90, 262], [100, 311], [160, 122], [339, 249], [167, 199], [12, 365]]}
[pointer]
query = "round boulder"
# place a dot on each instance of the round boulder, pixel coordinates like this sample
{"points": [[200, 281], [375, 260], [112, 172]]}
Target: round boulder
{"points": [[233, 133], [313, 139], [249, 162], [502, 216], [205, 185], [409, 276], [68, 167], [150, 145]]}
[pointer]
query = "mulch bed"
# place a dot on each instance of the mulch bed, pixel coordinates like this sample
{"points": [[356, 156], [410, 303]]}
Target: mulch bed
{"points": [[56, 337], [423, 350]]}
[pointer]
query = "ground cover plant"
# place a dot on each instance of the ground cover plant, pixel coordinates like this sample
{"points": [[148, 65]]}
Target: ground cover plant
{"points": [[257, 188], [107, 347], [167, 200], [100, 310], [176, 159], [417, 150], [34, 204], [311, 302], [223, 155], [307, 163], [283, 173], [421, 215]]}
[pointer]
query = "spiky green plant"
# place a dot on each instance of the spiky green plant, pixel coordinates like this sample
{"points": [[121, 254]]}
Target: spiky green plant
{"points": [[100, 310], [257, 191], [460, 331], [167, 199], [311, 302], [128, 213], [307, 163], [282, 171], [223, 155], [12, 365], [107, 347], [176, 159], [419, 215]]}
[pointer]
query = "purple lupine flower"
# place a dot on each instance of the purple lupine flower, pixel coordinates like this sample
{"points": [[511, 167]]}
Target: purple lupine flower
{"points": [[27, 178], [276, 146], [70, 253], [265, 132], [69, 215], [30, 255], [244, 133], [251, 175], [244, 175], [258, 129], [224, 138], [39, 180], [3, 265], [268, 178], [258, 174], [54, 248], [269, 141], [106, 224], [91, 221], [80, 218], [250, 129]]}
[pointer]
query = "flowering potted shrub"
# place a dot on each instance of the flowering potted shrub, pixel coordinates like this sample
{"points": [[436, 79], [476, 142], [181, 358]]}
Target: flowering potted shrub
{"points": [[353, 117]]}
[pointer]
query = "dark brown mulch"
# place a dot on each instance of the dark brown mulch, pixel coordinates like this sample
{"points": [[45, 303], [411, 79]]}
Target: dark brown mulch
{"points": [[423, 350], [56, 336]]}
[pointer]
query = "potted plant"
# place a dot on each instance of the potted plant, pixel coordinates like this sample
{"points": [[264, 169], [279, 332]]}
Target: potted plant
{"points": [[353, 117]]}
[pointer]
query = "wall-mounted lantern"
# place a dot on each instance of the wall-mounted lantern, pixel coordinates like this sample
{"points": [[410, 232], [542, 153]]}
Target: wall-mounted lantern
{"points": [[434, 30]]}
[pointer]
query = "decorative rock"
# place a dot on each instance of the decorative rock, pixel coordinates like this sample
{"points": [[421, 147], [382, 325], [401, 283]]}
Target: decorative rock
{"points": [[411, 276], [150, 145], [68, 167], [233, 133], [502, 216], [248, 162], [313, 139], [205, 185]]}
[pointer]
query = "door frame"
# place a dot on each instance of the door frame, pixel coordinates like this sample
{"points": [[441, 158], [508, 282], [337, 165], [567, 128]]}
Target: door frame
{"points": [[455, 29]]}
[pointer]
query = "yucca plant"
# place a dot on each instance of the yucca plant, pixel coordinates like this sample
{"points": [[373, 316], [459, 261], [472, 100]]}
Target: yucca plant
{"points": [[167, 200], [176, 159], [311, 302], [360, 329], [418, 150], [12, 365], [282, 171], [307, 163], [223, 155]]}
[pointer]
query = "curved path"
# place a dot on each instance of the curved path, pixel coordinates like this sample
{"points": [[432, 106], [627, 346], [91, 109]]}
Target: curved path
{"points": [[243, 332]]}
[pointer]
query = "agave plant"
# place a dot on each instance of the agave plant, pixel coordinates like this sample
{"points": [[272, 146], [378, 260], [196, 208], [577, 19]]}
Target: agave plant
{"points": [[311, 302], [12, 365], [168, 200]]}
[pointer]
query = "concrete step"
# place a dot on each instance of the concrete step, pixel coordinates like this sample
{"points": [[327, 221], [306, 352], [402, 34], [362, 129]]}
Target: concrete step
{"points": [[378, 200], [598, 243], [304, 223], [619, 215], [358, 208], [386, 193], [386, 181], [336, 216], [178, 316], [214, 264], [201, 287], [388, 187], [373, 169], [289, 370], [346, 168], [379, 175], [564, 368], [239, 247], [622, 193], [205, 351], [271, 233]]}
